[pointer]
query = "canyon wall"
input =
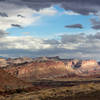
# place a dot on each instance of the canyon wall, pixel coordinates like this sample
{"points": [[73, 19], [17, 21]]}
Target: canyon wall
{"points": [[46, 68]]}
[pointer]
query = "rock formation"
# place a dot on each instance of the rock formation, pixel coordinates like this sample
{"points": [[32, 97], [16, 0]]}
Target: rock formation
{"points": [[51, 67], [38, 70], [83, 67]]}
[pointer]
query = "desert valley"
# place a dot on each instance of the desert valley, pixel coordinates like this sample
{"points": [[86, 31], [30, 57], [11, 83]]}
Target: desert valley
{"points": [[49, 49], [49, 78]]}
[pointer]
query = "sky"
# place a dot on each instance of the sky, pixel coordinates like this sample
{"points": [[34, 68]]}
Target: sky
{"points": [[65, 28]]}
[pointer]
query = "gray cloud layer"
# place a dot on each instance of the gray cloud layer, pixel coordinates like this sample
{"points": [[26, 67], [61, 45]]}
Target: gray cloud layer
{"points": [[83, 7], [95, 24], [68, 46]]}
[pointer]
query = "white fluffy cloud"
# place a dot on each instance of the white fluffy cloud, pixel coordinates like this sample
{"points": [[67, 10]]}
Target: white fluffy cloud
{"points": [[22, 16], [32, 43], [6, 22], [23, 42]]}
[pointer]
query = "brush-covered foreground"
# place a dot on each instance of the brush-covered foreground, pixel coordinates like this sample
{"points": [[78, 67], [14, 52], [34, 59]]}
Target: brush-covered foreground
{"points": [[88, 91]]}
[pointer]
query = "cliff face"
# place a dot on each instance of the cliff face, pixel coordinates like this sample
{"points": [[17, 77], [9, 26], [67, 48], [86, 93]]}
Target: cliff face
{"points": [[37, 70], [43, 67], [75, 64], [83, 67]]}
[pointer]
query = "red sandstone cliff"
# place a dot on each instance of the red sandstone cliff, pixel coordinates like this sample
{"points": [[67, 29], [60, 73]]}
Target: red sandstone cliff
{"points": [[43, 67], [38, 70]]}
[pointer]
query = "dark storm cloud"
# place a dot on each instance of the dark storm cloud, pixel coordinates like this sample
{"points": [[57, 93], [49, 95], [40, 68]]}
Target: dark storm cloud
{"points": [[74, 26], [2, 14], [16, 25], [2, 0], [84, 7]]}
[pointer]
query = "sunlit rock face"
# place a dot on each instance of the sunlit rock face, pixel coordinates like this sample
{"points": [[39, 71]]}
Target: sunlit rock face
{"points": [[89, 67], [89, 63], [51, 67], [83, 67], [38, 70], [3, 62]]}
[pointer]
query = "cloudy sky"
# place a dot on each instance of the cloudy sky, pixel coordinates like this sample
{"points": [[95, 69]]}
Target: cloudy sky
{"points": [[65, 28]]}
